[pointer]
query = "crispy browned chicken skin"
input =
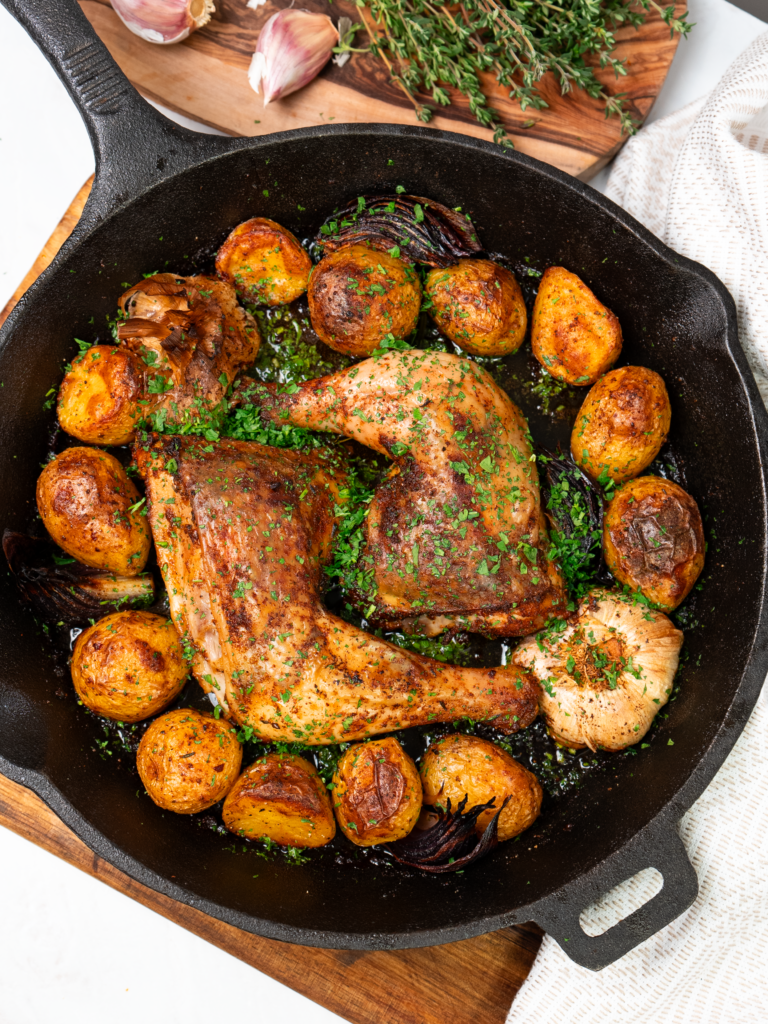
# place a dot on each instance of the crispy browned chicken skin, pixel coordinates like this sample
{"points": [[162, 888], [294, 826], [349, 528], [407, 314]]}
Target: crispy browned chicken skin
{"points": [[455, 536], [242, 533]]}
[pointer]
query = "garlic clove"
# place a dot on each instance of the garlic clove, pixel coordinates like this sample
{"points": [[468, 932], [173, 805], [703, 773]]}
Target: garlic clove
{"points": [[293, 47], [163, 21], [257, 70]]}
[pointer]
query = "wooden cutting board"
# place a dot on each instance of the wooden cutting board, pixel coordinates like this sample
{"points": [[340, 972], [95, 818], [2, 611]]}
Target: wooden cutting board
{"points": [[205, 78], [469, 982]]}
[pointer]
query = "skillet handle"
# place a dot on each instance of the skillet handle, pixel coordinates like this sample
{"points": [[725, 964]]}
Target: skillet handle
{"points": [[559, 915], [134, 145]]}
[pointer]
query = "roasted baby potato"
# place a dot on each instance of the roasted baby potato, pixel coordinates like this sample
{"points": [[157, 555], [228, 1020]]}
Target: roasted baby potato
{"points": [[478, 305], [281, 797], [188, 761], [84, 498], [358, 296], [573, 335], [653, 539], [377, 794], [99, 396], [128, 666], [460, 766], [265, 262], [622, 424]]}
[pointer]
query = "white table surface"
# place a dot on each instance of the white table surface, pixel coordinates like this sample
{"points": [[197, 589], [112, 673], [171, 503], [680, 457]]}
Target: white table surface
{"points": [[71, 947]]}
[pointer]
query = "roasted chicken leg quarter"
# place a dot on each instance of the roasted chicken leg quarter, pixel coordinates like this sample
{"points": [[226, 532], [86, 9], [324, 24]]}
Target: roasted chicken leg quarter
{"points": [[242, 533], [455, 537]]}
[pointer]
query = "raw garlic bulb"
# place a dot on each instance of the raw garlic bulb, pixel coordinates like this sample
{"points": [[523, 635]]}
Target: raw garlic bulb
{"points": [[607, 674]]}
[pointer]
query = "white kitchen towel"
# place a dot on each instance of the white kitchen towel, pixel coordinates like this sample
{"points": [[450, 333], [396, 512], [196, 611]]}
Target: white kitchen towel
{"points": [[699, 180]]}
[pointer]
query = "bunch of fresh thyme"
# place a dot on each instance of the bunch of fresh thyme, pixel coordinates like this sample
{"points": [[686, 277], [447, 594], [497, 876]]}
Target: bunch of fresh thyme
{"points": [[430, 44]]}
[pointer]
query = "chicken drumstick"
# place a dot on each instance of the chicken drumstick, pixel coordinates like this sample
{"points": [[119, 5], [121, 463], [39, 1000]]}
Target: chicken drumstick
{"points": [[242, 532]]}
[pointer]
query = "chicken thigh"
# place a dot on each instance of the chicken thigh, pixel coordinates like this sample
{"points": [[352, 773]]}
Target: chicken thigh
{"points": [[242, 533], [455, 537]]}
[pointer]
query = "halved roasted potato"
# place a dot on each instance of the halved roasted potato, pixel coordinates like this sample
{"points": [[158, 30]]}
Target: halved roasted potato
{"points": [[461, 765], [128, 665], [188, 761], [358, 296], [573, 335], [99, 396], [653, 539], [622, 424], [377, 792], [478, 305], [84, 498], [281, 797], [265, 262]]}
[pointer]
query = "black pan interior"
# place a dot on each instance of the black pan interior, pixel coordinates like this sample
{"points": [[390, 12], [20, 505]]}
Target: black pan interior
{"points": [[675, 320]]}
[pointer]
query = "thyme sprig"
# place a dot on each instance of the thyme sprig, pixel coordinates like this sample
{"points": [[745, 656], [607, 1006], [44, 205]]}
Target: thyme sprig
{"points": [[427, 45]]}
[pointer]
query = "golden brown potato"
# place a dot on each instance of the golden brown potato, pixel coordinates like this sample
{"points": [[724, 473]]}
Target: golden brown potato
{"points": [[573, 335], [357, 296], [460, 766], [478, 305], [653, 539], [188, 761], [265, 262], [281, 797], [128, 666], [99, 396], [622, 424], [377, 794], [84, 498]]}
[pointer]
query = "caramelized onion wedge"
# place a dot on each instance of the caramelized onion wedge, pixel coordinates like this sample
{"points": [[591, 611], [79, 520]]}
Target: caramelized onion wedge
{"points": [[73, 593], [421, 230], [451, 843]]}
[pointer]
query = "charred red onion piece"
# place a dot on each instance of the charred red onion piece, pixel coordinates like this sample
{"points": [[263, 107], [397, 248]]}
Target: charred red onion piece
{"points": [[450, 844], [422, 230], [73, 593]]}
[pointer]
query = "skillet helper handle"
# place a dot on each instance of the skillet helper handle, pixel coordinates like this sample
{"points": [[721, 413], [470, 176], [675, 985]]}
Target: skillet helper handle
{"points": [[134, 145], [560, 915]]}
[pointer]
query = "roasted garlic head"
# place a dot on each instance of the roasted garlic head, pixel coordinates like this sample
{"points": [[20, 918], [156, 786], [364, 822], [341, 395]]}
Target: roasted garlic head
{"points": [[605, 676]]}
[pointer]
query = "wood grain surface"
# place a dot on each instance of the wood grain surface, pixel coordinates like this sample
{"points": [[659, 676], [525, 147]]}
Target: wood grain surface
{"points": [[469, 982], [205, 77], [62, 232]]}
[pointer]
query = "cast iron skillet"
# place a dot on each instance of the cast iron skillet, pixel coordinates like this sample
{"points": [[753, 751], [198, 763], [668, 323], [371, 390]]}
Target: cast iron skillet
{"points": [[161, 193]]}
